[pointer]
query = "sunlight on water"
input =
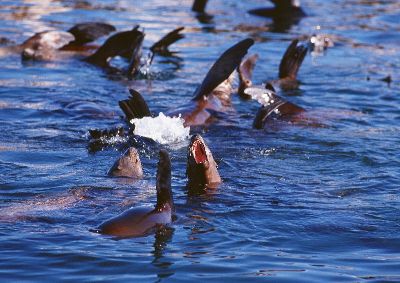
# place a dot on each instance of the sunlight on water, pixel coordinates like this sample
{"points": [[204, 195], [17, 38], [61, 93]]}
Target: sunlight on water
{"points": [[162, 129]]}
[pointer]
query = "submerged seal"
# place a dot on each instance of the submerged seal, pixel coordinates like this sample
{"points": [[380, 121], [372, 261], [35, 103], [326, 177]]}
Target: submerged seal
{"points": [[140, 221], [201, 168], [128, 165]]}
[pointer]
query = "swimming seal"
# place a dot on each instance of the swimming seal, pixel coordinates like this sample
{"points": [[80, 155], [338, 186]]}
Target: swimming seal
{"points": [[288, 69], [201, 169], [128, 44], [136, 222], [43, 45], [128, 165], [212, 95], [273, 106]]}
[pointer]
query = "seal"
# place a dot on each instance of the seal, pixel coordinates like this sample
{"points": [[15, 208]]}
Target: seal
{"points": [[201, 169], [43, 45], [128, 165], [284, 9], [213, 95], [272, 106], [288, 69], [46, 45], [136, 222]]}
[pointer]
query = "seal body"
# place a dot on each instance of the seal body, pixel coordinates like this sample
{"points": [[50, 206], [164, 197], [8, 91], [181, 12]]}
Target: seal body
{"points": [[137, 222]]}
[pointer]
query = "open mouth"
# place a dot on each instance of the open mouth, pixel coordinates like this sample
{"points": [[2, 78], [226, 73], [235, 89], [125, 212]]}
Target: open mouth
{"points": [[199, 152]]}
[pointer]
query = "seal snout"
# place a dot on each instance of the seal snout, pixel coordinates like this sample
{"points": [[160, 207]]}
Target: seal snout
{"points": [[197, 150], [133, 154]]}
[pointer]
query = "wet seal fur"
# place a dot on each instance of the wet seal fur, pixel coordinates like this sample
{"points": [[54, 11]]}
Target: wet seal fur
{"points": [[136, 222], [201, 170], [272, 106], [128, 165], [283, 10], [211, 96]]}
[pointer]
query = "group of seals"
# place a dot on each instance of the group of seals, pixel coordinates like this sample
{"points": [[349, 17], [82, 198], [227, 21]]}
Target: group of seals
{"points": [[213, 94], [49, 45], [202, 174]]}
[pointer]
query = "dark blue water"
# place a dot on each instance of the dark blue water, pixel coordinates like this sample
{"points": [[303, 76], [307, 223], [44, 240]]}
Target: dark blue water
{"points": [[298, 203]]}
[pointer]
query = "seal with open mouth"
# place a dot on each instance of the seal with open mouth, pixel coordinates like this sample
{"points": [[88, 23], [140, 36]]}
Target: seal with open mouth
{"points": [[201, 168], [136, 222]]}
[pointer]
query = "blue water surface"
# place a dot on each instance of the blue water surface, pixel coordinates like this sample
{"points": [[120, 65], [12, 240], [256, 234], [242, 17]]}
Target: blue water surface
{"points": [[299, 203]]}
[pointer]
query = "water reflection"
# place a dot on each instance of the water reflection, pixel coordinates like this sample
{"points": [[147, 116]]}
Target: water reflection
{"points": [[162, 237]]}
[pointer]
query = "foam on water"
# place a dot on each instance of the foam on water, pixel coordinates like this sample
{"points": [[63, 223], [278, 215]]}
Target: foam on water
{"points": [[162, 129]]}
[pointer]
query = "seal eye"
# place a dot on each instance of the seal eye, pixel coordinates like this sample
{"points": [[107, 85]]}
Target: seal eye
{"points": [[199, 152]]}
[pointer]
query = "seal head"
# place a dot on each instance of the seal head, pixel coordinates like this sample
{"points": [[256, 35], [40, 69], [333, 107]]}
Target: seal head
{"points": [[128, 165], [201, 167]]}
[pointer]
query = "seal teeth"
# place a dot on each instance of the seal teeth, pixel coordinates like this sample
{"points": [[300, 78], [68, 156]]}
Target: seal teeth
{"points": [[199, 152]]}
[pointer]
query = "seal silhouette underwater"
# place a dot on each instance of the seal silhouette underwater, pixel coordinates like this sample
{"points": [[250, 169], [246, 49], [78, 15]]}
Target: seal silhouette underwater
{"points": [[140, 221]]}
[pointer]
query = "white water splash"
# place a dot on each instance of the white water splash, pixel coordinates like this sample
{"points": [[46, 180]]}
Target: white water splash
{"points": [[263, 96], [162, 129]]}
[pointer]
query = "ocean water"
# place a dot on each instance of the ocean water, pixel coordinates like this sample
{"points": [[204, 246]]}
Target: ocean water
{"points": [[311, 202]]}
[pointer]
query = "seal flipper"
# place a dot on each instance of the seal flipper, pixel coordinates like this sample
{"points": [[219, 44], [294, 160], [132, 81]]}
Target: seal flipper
{"points": [[245, 71], [292, 59], [282, 9], [199, 6], [135, 106], [161, 46], [89, 31], [223, 68], [163, 185], [117, 44]]}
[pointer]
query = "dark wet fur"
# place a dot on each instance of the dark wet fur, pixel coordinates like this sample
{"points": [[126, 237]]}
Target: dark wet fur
{"points": [[161, 46], [286, 110], [98, 138], [223, 68], [163, 185], [135, 106], [292, 59], [90, 31], [117, 44], [199, 6], [282, 9]]}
